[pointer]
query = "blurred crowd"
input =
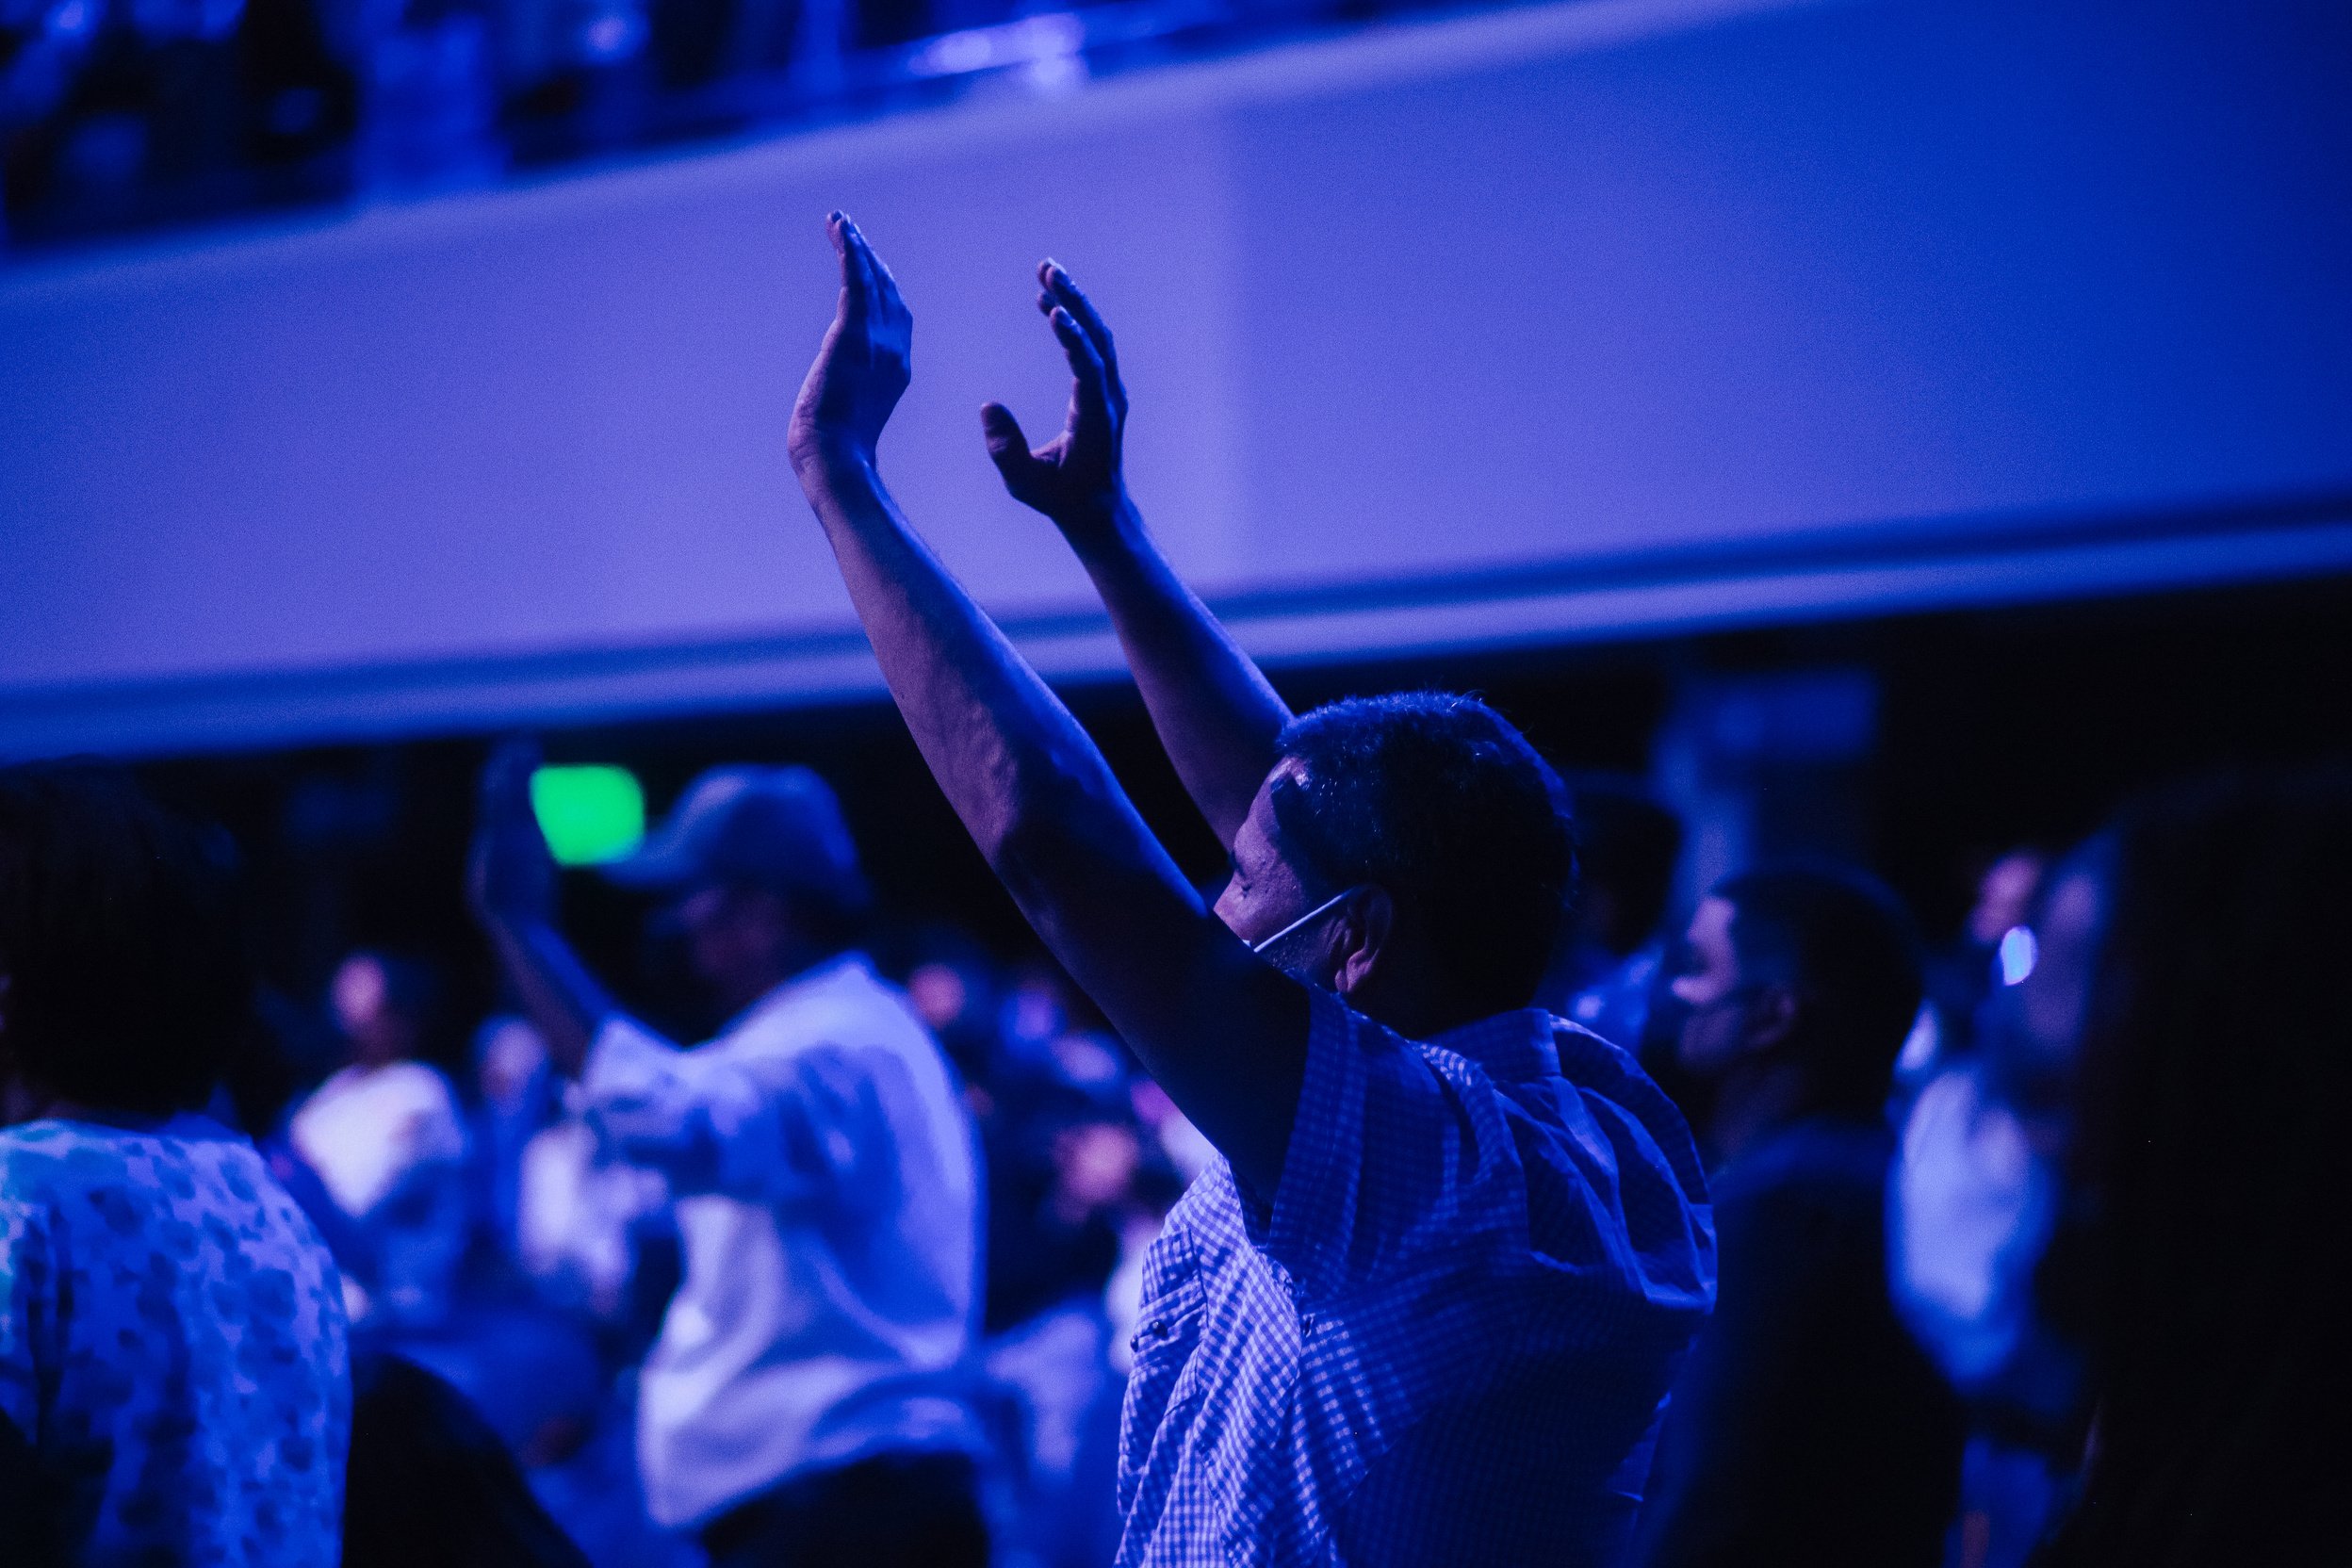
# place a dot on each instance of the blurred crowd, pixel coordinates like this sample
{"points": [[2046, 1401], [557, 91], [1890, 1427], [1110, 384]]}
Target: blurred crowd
{"points": [[485, 1230], [121, 115], [1974, 1204]]}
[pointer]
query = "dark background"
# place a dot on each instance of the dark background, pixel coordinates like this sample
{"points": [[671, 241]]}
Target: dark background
{"points": [[1995, 728]]}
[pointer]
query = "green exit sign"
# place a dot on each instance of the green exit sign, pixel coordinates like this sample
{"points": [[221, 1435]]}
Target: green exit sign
{"points": [[590, 813]]}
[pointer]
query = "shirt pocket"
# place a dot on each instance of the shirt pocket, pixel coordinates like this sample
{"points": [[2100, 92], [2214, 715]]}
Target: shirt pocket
{"points": [[1168, 1332]]}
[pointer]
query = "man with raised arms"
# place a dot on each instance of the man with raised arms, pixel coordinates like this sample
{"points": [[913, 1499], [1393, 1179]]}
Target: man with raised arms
{"points": [[1426, 1307]]}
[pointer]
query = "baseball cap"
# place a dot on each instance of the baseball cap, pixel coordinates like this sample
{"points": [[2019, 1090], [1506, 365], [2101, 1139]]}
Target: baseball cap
{"points": [[776, 828]]}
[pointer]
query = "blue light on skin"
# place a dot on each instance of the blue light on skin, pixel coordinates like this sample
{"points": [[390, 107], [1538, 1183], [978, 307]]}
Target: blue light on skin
{"points": [[2020, 953]]}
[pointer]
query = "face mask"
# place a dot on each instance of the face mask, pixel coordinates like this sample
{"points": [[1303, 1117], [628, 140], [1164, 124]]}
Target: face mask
{"points": [[1271, 949]]}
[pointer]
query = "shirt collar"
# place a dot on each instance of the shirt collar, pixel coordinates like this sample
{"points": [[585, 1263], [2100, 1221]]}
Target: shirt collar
{"points": [[1507, 1045], [816, 977]]}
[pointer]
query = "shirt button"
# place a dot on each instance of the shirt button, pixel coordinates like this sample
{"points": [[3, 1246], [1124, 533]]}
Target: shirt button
{"points": [[1306, 1327]]}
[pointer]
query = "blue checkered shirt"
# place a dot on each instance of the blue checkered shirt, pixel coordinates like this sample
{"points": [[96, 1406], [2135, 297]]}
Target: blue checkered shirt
{"points": [[1449, 1338]]}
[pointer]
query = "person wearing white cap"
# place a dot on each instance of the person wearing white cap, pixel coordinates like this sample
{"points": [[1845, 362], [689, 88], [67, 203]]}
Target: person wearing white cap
{"points": [[805, 1402]]}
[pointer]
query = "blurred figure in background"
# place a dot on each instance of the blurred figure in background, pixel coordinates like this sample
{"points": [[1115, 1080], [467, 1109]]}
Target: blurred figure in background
{"points": [[1072, 1171], [385, 1141], [2215, 1061], [1989, 951], [953, 987], [515, 1099], [174, 1378], [432, 1483], [303, 98], [1064, 1147], [1806, 1428], [1979, 1197], [138, 111], [808, 1398], [1627, 847], [430, 95], [1081, 1174], [581, 1216]]}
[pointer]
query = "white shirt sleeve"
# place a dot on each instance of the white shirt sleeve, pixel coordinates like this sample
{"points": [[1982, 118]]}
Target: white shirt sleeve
{"points": [[774, 1130]]}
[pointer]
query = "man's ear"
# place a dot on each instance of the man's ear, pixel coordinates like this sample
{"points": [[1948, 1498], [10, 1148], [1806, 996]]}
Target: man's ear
{"points": [[1771, 1017], [1362, 934]]}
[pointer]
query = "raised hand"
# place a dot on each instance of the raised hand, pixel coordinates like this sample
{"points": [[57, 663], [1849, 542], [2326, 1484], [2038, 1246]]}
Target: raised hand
{"points": [[510, 876], [862, 369], [1075, 479]]}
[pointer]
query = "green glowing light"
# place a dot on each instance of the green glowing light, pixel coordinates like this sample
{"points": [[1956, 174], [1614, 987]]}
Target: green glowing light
{"points": [[590, 813]]}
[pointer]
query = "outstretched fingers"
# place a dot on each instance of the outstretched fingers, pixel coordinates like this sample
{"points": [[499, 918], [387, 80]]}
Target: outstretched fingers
{"points": [[1063, 291], [863, 272], [854, 298], [1085, 361]]}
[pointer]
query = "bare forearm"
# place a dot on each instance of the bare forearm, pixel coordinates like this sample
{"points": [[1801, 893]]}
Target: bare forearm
{"points": [[1001, 745], [1057, 829], [1218, 717], [562, 999], [1223, 1031]]}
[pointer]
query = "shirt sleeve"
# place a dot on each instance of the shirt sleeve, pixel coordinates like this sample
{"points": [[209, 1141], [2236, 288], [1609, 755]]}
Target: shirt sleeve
{"points": [[25, 1286], [1394, 1162], [766, 1130]]}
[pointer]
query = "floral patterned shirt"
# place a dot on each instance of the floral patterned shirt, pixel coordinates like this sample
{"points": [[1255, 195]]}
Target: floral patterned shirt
{"points": [[172, 1348]]}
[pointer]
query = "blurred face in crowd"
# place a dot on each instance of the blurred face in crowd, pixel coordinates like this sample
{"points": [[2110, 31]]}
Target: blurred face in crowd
{"points": [[1094, 1164], [940, 995], [2039, 1021], [2005, 896], [379, 1032], [739, 939], [1728, 1013], [2054, 997], [509, 1058]]}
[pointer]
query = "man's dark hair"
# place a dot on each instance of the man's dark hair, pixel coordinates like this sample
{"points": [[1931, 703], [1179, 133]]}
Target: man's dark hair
{"points": [[1437, 799], [1843, 942], [120, 939]]}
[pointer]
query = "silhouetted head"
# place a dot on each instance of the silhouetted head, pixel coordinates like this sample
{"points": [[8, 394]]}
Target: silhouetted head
{"points": [[1627, 847], [122, 950], [762, 875], [1410, 852], [428, 1480], [2216, 1060], [1803, 966], [384, 1004], [2006, 895]]}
